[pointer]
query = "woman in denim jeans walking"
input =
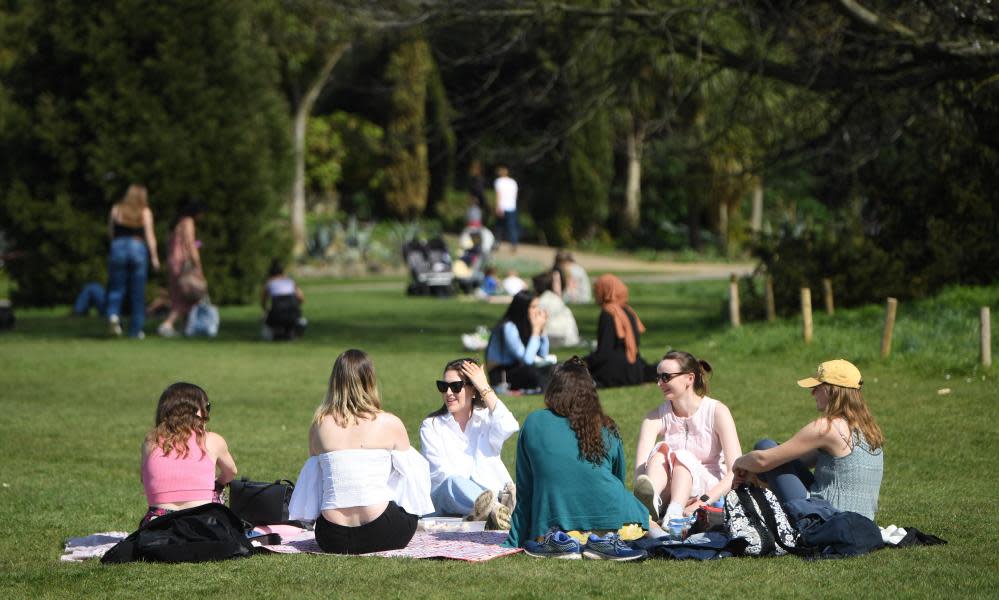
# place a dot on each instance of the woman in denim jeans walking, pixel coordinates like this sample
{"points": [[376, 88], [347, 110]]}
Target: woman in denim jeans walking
{"points": [[133, 247]]}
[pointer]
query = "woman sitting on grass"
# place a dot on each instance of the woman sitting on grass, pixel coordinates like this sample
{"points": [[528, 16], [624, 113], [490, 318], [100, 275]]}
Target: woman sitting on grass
{"points": [[517, 344], [183, 464], [692, 465], [462, 441], [616, 361], [843, 446], [362, 484], [570, 465]]}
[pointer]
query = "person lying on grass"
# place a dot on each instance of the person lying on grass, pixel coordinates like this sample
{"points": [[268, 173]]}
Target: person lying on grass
{"points": [[183, 464], [570, 464], [843, 446], [692, 465], [363, 484], [462, 441]]}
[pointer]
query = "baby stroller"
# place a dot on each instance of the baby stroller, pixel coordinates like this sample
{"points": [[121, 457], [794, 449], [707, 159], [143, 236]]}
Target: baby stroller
{"points": [[429, 267], [477, 243]]}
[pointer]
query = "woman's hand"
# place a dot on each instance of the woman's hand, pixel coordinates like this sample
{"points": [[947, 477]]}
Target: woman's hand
{"points": [[741, 477], [475, 374], [538, 319], [692, 506]]}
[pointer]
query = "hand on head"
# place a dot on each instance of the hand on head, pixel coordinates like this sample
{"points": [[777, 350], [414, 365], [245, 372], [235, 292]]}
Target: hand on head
{"points": [[538, 319], [476, 374]]}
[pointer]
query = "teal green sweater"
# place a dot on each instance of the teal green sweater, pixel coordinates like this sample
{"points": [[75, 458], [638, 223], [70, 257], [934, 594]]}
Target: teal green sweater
{"points": [[558, 487]]}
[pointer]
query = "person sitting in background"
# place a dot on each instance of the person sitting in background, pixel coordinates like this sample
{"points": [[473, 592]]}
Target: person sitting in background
{"points": [[561, 325], [462, 441], [844, 446], [575, 282], [518, 345], [490, 285], [363, 484], [513, 284], [183, 464], [570, 465], [282, 301], [616, 361]]}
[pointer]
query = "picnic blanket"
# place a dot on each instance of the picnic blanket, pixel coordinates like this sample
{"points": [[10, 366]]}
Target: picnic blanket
{"points": [[471, 546]]}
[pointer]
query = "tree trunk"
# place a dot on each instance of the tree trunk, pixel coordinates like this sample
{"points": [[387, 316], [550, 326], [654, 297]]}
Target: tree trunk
{"points": [[756, 221], [633, 185], [302, 111]]}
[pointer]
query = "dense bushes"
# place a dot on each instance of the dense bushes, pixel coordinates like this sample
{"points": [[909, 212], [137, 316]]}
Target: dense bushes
{"points": [[178, 96]]}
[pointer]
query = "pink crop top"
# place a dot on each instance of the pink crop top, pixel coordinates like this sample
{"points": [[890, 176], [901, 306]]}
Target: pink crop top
{"points": [[175, 479]]}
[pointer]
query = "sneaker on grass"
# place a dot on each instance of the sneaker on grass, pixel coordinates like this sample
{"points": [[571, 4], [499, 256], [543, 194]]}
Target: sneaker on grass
{"points": [[557, 544], [611, 547]]}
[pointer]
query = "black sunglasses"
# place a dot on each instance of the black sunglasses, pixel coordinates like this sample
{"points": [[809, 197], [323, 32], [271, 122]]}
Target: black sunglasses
{"points": [[667, 377], [455, 386]]}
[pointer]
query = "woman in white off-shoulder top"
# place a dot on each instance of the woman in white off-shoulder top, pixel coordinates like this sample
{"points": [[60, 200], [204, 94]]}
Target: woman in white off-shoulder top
{"points": [[363, 483]]}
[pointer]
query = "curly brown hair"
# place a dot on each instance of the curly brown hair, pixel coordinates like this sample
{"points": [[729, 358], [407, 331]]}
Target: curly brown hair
{"points": [[177, 418], [572, 394]]}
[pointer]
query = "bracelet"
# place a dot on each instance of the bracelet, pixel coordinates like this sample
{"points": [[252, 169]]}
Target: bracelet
{"points": [[486, 391]]}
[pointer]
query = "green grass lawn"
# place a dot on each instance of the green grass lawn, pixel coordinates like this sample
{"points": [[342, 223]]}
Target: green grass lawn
{"points": [[75, 405]]}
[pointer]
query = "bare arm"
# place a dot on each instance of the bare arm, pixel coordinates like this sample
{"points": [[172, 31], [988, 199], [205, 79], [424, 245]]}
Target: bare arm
{"points": [[802, 445], [299, 294], [111, 216], [647, 434], [399, 435], [729, 438], [224, 462], [188, 241], [150, 233]]}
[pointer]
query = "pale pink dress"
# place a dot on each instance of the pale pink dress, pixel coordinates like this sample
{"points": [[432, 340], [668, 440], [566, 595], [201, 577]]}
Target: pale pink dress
{"points": [[692, 442], [178, 255]]}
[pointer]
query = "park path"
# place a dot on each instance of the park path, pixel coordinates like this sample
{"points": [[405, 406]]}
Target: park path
{"points": [[631, 269]]}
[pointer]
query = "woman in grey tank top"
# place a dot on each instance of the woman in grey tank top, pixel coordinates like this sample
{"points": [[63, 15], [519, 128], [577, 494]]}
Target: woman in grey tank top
{"points": [[843, 446]]}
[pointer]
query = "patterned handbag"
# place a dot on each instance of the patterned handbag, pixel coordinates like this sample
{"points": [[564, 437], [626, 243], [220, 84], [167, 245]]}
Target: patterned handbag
{"points": [[755, 515]]}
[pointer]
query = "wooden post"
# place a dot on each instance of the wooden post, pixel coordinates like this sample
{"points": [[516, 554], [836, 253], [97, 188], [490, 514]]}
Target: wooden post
{"points": [[769, 293], [890, 310], [986, 337], [827, 292], [733, 300], [806, 314]]}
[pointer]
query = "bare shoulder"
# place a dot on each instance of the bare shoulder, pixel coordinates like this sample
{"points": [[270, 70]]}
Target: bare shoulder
{"points": [[653, 415], [215, 441], [390, 421]]}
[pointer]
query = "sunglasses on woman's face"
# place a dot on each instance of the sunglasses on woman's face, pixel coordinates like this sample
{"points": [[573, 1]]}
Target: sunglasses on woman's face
{"points": [[455, 386], [667, 377]]}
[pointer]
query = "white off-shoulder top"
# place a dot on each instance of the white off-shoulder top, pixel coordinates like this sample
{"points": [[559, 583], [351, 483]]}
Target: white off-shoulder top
{"points": [[362, 477]]}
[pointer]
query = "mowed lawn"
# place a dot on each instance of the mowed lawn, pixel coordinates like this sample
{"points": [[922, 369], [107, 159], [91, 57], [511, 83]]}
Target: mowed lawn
{"points": [[75, 405]]}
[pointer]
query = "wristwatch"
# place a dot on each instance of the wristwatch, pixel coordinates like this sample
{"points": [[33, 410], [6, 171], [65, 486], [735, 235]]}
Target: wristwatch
{"points": [[704, 498]]}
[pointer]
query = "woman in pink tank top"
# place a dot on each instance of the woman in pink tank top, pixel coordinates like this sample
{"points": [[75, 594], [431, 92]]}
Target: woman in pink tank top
{"points": [[183, 464], [692, 464]]}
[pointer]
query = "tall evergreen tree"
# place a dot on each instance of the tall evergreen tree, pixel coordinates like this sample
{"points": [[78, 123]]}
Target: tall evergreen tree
{"points": [[179, 96]]}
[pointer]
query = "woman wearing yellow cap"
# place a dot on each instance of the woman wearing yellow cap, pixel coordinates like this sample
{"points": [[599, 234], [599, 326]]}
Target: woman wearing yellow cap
{"points": [[843, 446]]}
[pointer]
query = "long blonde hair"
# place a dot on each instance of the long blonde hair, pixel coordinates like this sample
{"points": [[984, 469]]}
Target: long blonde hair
{"points": [[131, 206], [849, 404], [352, 394], [177, 419]]}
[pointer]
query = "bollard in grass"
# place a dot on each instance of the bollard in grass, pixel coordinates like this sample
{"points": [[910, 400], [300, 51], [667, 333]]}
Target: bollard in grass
{"points": [[986, 337], [806, 315], [733, 301], [827, 292], [769, 293], [890, 310]]}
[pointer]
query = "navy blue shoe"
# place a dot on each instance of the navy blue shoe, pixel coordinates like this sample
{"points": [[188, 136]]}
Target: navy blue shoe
{"points": [[611, 547], [557, 544]]}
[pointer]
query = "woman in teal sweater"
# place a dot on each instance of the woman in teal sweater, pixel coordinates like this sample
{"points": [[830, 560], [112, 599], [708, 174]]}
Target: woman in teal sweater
{"points": [[570, 464]]}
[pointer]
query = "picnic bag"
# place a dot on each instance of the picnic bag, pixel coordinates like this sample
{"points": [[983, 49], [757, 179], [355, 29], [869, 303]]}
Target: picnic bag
{"points": [[260, 503], [203, 319], [203, 533], [192, 284], [755, 514]]}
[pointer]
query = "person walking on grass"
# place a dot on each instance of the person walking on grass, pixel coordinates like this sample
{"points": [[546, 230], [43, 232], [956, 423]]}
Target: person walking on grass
{"points": [[693, 464], [844, 446], [462, 440], [363, 484], [185, 257], [133, 249]]}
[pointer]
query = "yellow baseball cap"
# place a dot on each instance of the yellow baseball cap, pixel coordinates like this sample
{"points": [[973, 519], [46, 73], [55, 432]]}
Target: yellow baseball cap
{"points": [[837, 372]]}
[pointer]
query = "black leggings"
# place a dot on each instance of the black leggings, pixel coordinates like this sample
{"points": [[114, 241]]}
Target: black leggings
{"points": [[521, 377], [390, 531]]}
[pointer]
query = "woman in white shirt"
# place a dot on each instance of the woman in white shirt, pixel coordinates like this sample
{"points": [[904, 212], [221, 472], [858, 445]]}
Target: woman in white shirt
{"points": [[363, 484], [462, 441]]}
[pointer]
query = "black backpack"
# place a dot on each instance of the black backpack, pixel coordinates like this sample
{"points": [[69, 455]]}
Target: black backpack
{"points": [[203, 533]]}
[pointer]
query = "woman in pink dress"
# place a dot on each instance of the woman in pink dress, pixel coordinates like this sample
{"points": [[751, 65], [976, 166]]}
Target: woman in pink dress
{"points": [[692, 464], [184, 254]]}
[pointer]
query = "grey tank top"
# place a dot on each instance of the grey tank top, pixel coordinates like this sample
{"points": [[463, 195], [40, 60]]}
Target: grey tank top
{"points": [[851, 482]]}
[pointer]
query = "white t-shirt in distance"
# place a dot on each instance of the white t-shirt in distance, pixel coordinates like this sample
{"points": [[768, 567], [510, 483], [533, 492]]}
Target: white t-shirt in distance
{"points": [[506, 193]]}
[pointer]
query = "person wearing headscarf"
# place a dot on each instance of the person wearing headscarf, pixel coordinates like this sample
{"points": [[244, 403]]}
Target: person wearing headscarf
{"points": [[616, 361]]}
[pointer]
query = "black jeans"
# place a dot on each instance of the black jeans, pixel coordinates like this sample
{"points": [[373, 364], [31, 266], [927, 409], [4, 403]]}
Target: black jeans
{"points": [[390, 531]]}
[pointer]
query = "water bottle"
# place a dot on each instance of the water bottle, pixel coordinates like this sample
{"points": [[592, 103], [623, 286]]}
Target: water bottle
{"points": [[677, 527]]}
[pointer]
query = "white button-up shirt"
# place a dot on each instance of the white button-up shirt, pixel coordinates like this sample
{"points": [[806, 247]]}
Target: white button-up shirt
{"points": [[473, 453]]}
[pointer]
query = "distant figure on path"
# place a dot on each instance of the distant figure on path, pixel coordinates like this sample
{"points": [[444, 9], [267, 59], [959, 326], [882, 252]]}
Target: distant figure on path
{"points": [[133, 247], [506, 205]]}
